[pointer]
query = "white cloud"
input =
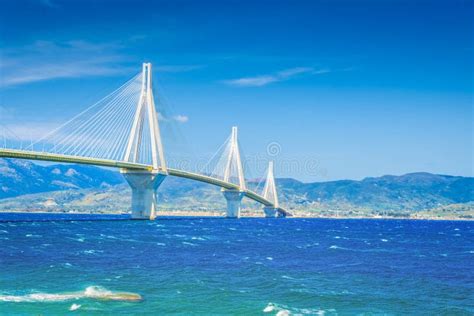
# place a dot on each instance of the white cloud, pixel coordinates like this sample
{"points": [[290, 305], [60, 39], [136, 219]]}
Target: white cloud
{"points": [[282, 75], [55, 71], [45, 60], [287, 73], [252, 81], [177, 118], [321, 71], [181, 118], [177, 68]]}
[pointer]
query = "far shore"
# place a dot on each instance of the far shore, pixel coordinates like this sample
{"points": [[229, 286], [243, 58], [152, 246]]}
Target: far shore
{"points": [[246, 214]]}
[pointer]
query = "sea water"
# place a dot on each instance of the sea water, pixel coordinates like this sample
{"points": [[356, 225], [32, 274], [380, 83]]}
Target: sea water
{"points": [[221, 266]]}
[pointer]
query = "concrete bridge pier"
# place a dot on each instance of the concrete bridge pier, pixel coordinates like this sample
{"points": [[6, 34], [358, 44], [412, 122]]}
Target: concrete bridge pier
{"points": [[270, 211], [144, 185], [233, 198]]}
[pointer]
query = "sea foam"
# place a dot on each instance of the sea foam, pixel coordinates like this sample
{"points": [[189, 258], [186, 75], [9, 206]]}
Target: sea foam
{"points": [[91, 292], [74, 307]]}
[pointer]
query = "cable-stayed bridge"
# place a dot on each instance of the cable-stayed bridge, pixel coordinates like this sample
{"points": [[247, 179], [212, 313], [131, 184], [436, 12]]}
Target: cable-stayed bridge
{"points": [[122, 131]]}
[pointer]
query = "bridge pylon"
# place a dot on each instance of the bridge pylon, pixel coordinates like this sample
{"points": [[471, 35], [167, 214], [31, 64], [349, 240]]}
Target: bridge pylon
{"points": [[145, 138], [145, 125], [234, 169], [144, 185], [270, 193]]}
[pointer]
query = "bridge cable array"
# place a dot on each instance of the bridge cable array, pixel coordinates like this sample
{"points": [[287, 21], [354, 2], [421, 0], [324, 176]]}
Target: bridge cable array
{"points": [[8, 138], [227, 164], [269, 191], [100, 131]]}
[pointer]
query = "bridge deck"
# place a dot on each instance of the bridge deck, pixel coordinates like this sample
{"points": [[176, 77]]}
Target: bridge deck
{"points": [[32, 155]]}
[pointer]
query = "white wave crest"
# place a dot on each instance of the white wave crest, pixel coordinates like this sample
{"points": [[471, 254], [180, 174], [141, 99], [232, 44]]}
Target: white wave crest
{"points": [[74, 307], [284, 310], [91, 292]]}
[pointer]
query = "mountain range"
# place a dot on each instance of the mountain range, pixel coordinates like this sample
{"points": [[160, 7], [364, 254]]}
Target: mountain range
{"points": [[29, 186]]}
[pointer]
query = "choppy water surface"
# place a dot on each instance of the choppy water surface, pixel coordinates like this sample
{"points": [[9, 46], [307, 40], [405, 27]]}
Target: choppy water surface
{"points": [[246, 267]]}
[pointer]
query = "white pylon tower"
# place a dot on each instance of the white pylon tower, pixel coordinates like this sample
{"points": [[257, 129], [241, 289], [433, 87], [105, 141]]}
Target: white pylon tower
{"points": [[270, 193], [146, 117], [234, 162], [145, 183], [269, 190]]}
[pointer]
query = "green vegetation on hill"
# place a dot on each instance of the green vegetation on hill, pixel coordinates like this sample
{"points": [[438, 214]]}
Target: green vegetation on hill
{"points": [[28, 186]]}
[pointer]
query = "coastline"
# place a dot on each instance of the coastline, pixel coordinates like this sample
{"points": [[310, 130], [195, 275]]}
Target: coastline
{"points": [[220, 214]]}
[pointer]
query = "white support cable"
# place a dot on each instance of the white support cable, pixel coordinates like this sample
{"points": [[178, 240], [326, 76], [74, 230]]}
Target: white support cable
{"points": [[213, 156], [110, 132], [94, 127], [230, 155], [69, 144], [137, 118], [246, 171], [94, 121], [86, 110], [139, 135], [106, 127], [78, 132], [9, 136], [234, 162], [101, 130], [222, 164], [269, 190], [144, 137], [156, 131], [122, 137], [240, 168]]}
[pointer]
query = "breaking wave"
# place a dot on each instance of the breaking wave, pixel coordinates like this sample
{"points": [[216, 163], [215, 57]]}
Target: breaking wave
{"points": [[91, 292]]}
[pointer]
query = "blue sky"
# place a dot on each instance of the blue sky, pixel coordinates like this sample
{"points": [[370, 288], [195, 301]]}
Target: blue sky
{"points": [[346, 89]]}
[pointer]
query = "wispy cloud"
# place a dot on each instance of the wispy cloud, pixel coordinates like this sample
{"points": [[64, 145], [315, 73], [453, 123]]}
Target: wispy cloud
{"points": [[177, 68], [177, 118], [47, 72], [252, 81], [287, 73], [45, 60], [282, 75], [181, 118]]}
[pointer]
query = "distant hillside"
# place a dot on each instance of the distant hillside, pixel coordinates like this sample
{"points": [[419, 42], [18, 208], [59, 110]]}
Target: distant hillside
{"points": [[18, 177], [25, 185], [413, 191]]}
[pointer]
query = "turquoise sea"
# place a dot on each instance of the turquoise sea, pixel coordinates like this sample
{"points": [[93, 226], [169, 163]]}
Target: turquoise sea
{"points": [[211, 266]]}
